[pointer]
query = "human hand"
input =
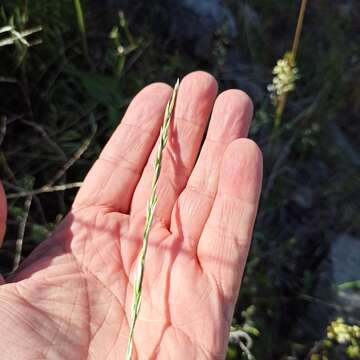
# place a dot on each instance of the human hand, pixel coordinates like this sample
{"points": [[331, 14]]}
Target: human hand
{"points": [[71, 298]]}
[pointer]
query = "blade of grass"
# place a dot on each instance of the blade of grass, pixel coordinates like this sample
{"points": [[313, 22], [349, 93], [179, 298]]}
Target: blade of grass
{"points": [[82, 28], [150, 210]]}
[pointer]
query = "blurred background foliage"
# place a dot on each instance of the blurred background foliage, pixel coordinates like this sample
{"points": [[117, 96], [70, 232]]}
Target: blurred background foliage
{"points": [[68, 69]]}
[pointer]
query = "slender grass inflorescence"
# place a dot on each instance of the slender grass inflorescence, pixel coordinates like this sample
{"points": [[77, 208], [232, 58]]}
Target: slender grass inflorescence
{"points": [[150, 210]]}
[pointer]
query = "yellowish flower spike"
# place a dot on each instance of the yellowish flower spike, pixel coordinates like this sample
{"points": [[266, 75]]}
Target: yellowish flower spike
{"points": [[285, 75]]}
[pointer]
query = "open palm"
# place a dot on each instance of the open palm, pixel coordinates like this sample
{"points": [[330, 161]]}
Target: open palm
{"points": [[71, 298]]}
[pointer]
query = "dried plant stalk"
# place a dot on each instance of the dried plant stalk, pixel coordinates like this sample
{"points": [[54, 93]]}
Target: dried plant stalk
{"points": [[150, 210], [285, 72]]}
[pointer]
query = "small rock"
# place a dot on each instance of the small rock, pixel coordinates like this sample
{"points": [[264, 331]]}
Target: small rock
{"points": [[342, 265], [345, 259], [197, 22]]}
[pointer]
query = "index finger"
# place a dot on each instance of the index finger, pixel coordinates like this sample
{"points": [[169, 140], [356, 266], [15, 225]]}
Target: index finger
{"points": [[114, 176]]}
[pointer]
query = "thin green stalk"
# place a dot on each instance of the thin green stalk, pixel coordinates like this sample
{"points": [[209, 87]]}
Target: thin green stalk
{"points": [[279, 110], [150, 211], [82, 28], [124, 25]]}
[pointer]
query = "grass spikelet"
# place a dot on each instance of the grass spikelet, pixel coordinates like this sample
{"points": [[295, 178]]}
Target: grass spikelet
{"points": [[150, 210]]}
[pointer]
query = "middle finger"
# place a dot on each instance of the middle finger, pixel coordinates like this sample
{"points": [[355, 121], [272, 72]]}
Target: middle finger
{"points": [[196, 96]]}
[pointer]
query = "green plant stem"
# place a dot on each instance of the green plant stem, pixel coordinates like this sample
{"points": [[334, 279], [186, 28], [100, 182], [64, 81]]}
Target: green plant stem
{"points": [[279, 110], [82, 28], [150, 211]]}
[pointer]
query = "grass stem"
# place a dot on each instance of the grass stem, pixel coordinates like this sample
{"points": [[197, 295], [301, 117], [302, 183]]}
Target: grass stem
{"points": [[82, 28]]}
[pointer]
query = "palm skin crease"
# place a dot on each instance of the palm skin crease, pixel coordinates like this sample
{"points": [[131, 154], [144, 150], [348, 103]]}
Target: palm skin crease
{"points": [[71, 298]]}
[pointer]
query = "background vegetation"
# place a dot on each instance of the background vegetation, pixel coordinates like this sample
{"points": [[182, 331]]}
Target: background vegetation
{"points": [[67, 73]]}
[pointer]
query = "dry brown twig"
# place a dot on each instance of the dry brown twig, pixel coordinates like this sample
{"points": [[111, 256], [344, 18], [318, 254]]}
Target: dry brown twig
{"points": [[44, 189], [77, 155]]}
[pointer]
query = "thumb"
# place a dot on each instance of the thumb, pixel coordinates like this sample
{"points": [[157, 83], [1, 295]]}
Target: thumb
{"points": [[3, 213]]}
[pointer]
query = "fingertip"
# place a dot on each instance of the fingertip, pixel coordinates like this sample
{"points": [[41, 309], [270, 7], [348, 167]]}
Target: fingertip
{"points": [[241, 171], [244, 149], [155, 90], [239, 98], [201, 80], [159, 89], [158, 86], [146, 106], [232, 114], [201, 77]]}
